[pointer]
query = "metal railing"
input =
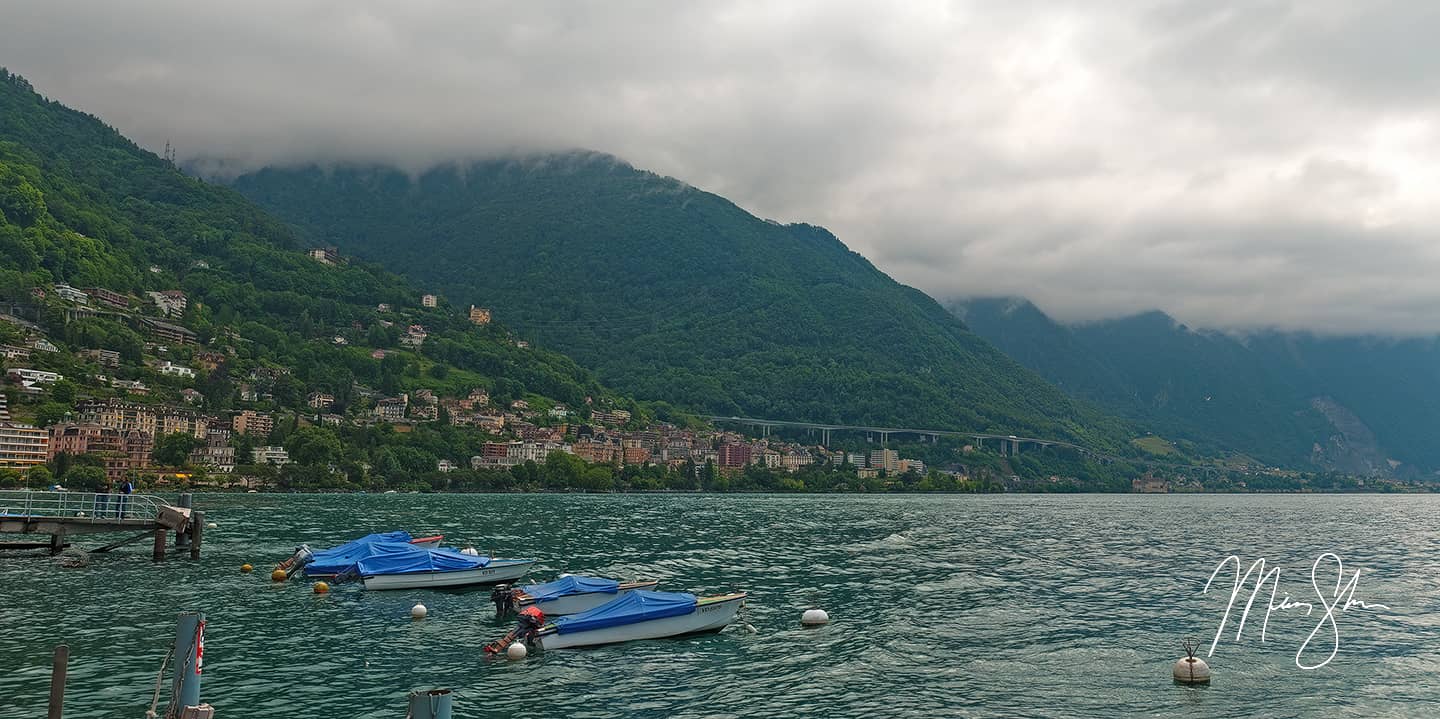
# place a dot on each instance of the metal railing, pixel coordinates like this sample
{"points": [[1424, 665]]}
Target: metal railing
{"points": [[78, 506]]}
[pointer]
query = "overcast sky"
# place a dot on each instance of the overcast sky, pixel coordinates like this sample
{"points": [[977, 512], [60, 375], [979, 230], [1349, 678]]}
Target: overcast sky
{"points": [[1274, 164]]}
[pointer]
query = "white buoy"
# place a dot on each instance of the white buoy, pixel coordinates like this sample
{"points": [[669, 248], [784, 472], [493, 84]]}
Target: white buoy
{"points": [[470, 551], [1192, 670], [211, 525], [814, 618], [516, 650], [418, 611]]}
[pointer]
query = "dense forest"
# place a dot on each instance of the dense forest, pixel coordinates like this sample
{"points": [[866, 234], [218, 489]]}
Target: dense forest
{"points": [[1350, 404], [675, 294]]}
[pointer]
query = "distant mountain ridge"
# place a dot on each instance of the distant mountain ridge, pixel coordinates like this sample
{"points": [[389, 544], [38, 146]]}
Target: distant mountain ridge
{"points": [[1356, 404], [675, 294]]}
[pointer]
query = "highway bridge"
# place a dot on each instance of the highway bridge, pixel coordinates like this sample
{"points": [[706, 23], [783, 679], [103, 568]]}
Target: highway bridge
{"points": [[1008, 442]]}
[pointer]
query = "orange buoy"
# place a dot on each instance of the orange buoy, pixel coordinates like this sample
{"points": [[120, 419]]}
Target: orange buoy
{"points": [[321, 587], [279, 575], [246, 568]]}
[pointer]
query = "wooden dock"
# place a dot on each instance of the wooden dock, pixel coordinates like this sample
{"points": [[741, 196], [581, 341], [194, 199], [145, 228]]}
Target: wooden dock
{"points": [[63, 515]]}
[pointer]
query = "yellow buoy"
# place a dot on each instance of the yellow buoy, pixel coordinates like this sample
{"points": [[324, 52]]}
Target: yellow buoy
{"points": [[321, 587], [278, 575], [246, 568]]}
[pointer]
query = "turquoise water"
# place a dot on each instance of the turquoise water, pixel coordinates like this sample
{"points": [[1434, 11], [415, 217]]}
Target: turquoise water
{"points": [[941, 606]]}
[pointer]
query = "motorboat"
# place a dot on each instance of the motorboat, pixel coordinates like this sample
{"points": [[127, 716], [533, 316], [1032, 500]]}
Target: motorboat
{"points": [[405, 566], [330, 563], [639, 614], [572, 594]]}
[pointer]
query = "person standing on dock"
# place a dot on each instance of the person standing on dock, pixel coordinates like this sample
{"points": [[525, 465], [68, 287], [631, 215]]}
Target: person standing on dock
{"points": [[102, 499], [126, 489]]}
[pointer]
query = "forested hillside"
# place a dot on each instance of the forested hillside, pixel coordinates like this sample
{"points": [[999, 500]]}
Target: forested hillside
{"points": [[675, 294], [1347, 403], [82, 206]]}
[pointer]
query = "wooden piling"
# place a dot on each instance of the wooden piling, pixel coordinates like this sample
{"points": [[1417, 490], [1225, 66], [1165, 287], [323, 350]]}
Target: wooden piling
{"points": [[57, 543], [158, 554], [182, 538], [197, 533], [59, 670]]}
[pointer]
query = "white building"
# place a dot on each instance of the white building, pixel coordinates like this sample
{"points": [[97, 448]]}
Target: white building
{"points": [[175, 370], [67, 292], [270, 455], [34, 376]]}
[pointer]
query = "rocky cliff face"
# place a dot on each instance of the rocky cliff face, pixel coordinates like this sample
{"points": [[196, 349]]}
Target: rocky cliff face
{"points": [[1352, 447]]}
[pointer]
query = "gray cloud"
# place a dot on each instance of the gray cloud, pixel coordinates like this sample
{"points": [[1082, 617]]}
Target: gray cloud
{"points": [[1267, 164]]}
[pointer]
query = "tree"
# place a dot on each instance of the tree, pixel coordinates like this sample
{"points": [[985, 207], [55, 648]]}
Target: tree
{"points": [[51, 413], [173, 450], [313, 446], [10, 478], [63, 392], [39, 475], [87, 479]]}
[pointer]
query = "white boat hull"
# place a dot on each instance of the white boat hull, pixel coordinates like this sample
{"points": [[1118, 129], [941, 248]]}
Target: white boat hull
{"points": [[707, 617], [576, 603], [499, 570]]}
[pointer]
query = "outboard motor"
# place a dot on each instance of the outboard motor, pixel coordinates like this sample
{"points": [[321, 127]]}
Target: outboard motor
{"points": [[531, 619], [297, 561], [504, 600]]}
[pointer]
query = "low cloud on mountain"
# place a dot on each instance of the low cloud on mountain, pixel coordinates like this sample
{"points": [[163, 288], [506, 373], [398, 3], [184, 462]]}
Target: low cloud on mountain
{"points": [[1273, 164]]}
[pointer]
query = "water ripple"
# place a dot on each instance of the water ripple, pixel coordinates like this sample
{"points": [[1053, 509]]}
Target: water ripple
{"points": [[952, 606]]}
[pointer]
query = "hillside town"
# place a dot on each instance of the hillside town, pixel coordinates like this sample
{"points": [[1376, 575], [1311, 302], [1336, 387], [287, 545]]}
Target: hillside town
{"points": [[138, 413]]}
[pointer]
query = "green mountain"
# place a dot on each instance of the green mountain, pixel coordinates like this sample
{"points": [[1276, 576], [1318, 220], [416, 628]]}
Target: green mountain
{"points": [[675, 294], [1348, 403], [81, 205]]}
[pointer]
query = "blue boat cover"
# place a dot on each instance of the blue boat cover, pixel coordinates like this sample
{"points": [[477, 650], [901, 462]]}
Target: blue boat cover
{"points": [[573, 584], [635, 606], [344, 557], [409, 559]]}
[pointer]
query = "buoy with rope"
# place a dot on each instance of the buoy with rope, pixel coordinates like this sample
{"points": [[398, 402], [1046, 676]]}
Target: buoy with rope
{"points": [[1191, 669]]}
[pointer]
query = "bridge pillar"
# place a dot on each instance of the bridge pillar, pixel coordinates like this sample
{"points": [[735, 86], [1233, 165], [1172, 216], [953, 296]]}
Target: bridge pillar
{"points": [[825, 437], [884, 438]]}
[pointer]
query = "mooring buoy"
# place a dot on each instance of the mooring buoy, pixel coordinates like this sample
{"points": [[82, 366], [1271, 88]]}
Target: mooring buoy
{"points": [[321, 588], [814, 618], [1191, 669], [418, 611], [516, 650], [246, 568], [278, 575]]}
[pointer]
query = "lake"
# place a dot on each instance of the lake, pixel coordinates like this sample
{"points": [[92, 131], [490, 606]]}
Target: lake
{"points": [[1009, 605]]}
